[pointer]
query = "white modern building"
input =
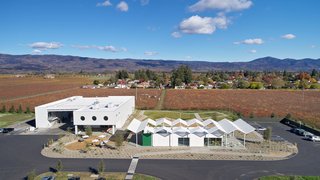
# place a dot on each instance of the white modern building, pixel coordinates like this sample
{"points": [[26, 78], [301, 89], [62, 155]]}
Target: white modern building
{"points": [[109, 112], [193, 133]]}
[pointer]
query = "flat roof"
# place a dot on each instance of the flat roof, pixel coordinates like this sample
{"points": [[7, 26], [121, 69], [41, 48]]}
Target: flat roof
{"points": [[80, 103]]}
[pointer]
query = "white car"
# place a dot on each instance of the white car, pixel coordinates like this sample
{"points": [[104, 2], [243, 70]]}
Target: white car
{"points": [[313, 138]]}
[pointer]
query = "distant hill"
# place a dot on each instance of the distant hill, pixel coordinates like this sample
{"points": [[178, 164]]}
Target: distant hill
{"points": [[58, 63]]}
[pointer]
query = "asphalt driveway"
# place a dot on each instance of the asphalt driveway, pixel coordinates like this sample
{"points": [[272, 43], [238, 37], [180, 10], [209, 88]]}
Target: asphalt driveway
{"points": [[21, 154]]}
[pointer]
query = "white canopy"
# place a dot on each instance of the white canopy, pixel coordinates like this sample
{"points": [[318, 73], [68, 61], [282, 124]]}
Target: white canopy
{"points": [[224, 126], [134, 126], [180, 122], [162, 130], [151, 121], [228, 126], [163, 121], [194, 121], [243, 126]]}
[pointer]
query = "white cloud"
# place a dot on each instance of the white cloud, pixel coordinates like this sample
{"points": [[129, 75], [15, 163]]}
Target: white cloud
{"points": [[176, 34], [313, 46], [288, 36], [253, 51], [108, 48], [225, 5], [45, 45], [36, 51], [150, 53], [188, 57], [123, 6], [105, 3], [203, 25], [81, 46], [197, 25], [144, 2], [256, 41]]}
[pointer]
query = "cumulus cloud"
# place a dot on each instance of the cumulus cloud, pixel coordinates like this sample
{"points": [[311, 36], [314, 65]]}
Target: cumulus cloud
{"points": [[176, 34], [46, 45], [105, 3], [123, 6], [224, 5], [144, 2], [150, 53], [256, 41], [253, 51], [288, 36], [203, 25]]}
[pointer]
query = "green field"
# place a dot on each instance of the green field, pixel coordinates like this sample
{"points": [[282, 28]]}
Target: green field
{"points": [[216, 115], [86, 175], [290, 178], [8, 119]]}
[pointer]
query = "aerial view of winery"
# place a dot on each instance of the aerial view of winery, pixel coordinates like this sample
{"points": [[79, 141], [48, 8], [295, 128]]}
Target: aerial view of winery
{"points": [[152, 90]]}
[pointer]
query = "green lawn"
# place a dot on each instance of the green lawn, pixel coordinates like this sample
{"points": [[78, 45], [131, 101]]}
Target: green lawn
{"points": [[216, 115], [8, 119], [86, 175], [290, 178]]}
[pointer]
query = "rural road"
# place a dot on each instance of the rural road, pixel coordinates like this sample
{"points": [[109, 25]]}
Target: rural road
{"points": [[21, 154]]}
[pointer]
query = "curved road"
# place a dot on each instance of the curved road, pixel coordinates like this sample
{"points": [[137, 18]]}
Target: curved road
{"points": [[21, 154]]}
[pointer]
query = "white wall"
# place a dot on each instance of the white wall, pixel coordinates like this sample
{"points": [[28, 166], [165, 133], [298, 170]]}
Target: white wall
{"points": [[41, 117], [159, 140], [196, 141], [88, 114]]}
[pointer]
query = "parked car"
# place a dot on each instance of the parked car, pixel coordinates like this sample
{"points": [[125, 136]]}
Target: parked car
{"points": [[260, 128], [298, 131], [313, 138], [7, 130], [1, 130]]}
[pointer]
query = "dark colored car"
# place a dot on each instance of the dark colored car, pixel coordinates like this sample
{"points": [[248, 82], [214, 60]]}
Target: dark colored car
{"points": [[7, 130]]}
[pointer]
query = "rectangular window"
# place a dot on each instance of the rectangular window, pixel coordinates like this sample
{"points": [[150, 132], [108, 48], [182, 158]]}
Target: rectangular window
{"points": [[183, 141], [212, 141]]}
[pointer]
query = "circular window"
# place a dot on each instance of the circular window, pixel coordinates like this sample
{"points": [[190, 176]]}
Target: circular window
{"points": [[94, 118], [105, 118], [82, 118]]}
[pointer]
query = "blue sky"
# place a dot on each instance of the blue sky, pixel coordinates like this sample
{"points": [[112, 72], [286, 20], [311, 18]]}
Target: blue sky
{"points": [[209, 30]]}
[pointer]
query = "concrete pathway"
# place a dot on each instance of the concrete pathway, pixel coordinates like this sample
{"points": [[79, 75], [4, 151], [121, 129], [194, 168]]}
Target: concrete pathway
{"points": [[132, 167], [198, 116]]}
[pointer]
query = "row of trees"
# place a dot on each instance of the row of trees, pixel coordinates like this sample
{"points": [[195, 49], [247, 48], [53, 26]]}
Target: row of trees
{"points": [[225, 79], [13, 110]]}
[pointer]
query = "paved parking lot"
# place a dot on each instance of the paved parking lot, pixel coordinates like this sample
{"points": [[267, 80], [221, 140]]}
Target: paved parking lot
{"points": [[21, 154]]}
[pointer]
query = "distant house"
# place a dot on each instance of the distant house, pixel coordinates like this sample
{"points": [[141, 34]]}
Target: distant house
{"points": [[145, 84], [20, 75], [49, 76]]}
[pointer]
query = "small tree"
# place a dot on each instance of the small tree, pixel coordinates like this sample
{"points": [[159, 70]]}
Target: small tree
{"points": [[3, 110], [272, 115], [119, 140], [59, 166], [28, 111], [101, 167], [19, 110], [267, 134], [31, 175], [88, 130], [11, 110], [251, 115]]}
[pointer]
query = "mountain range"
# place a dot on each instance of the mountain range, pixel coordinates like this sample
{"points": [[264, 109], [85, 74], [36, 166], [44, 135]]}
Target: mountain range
{"points": [[60, 63]]}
